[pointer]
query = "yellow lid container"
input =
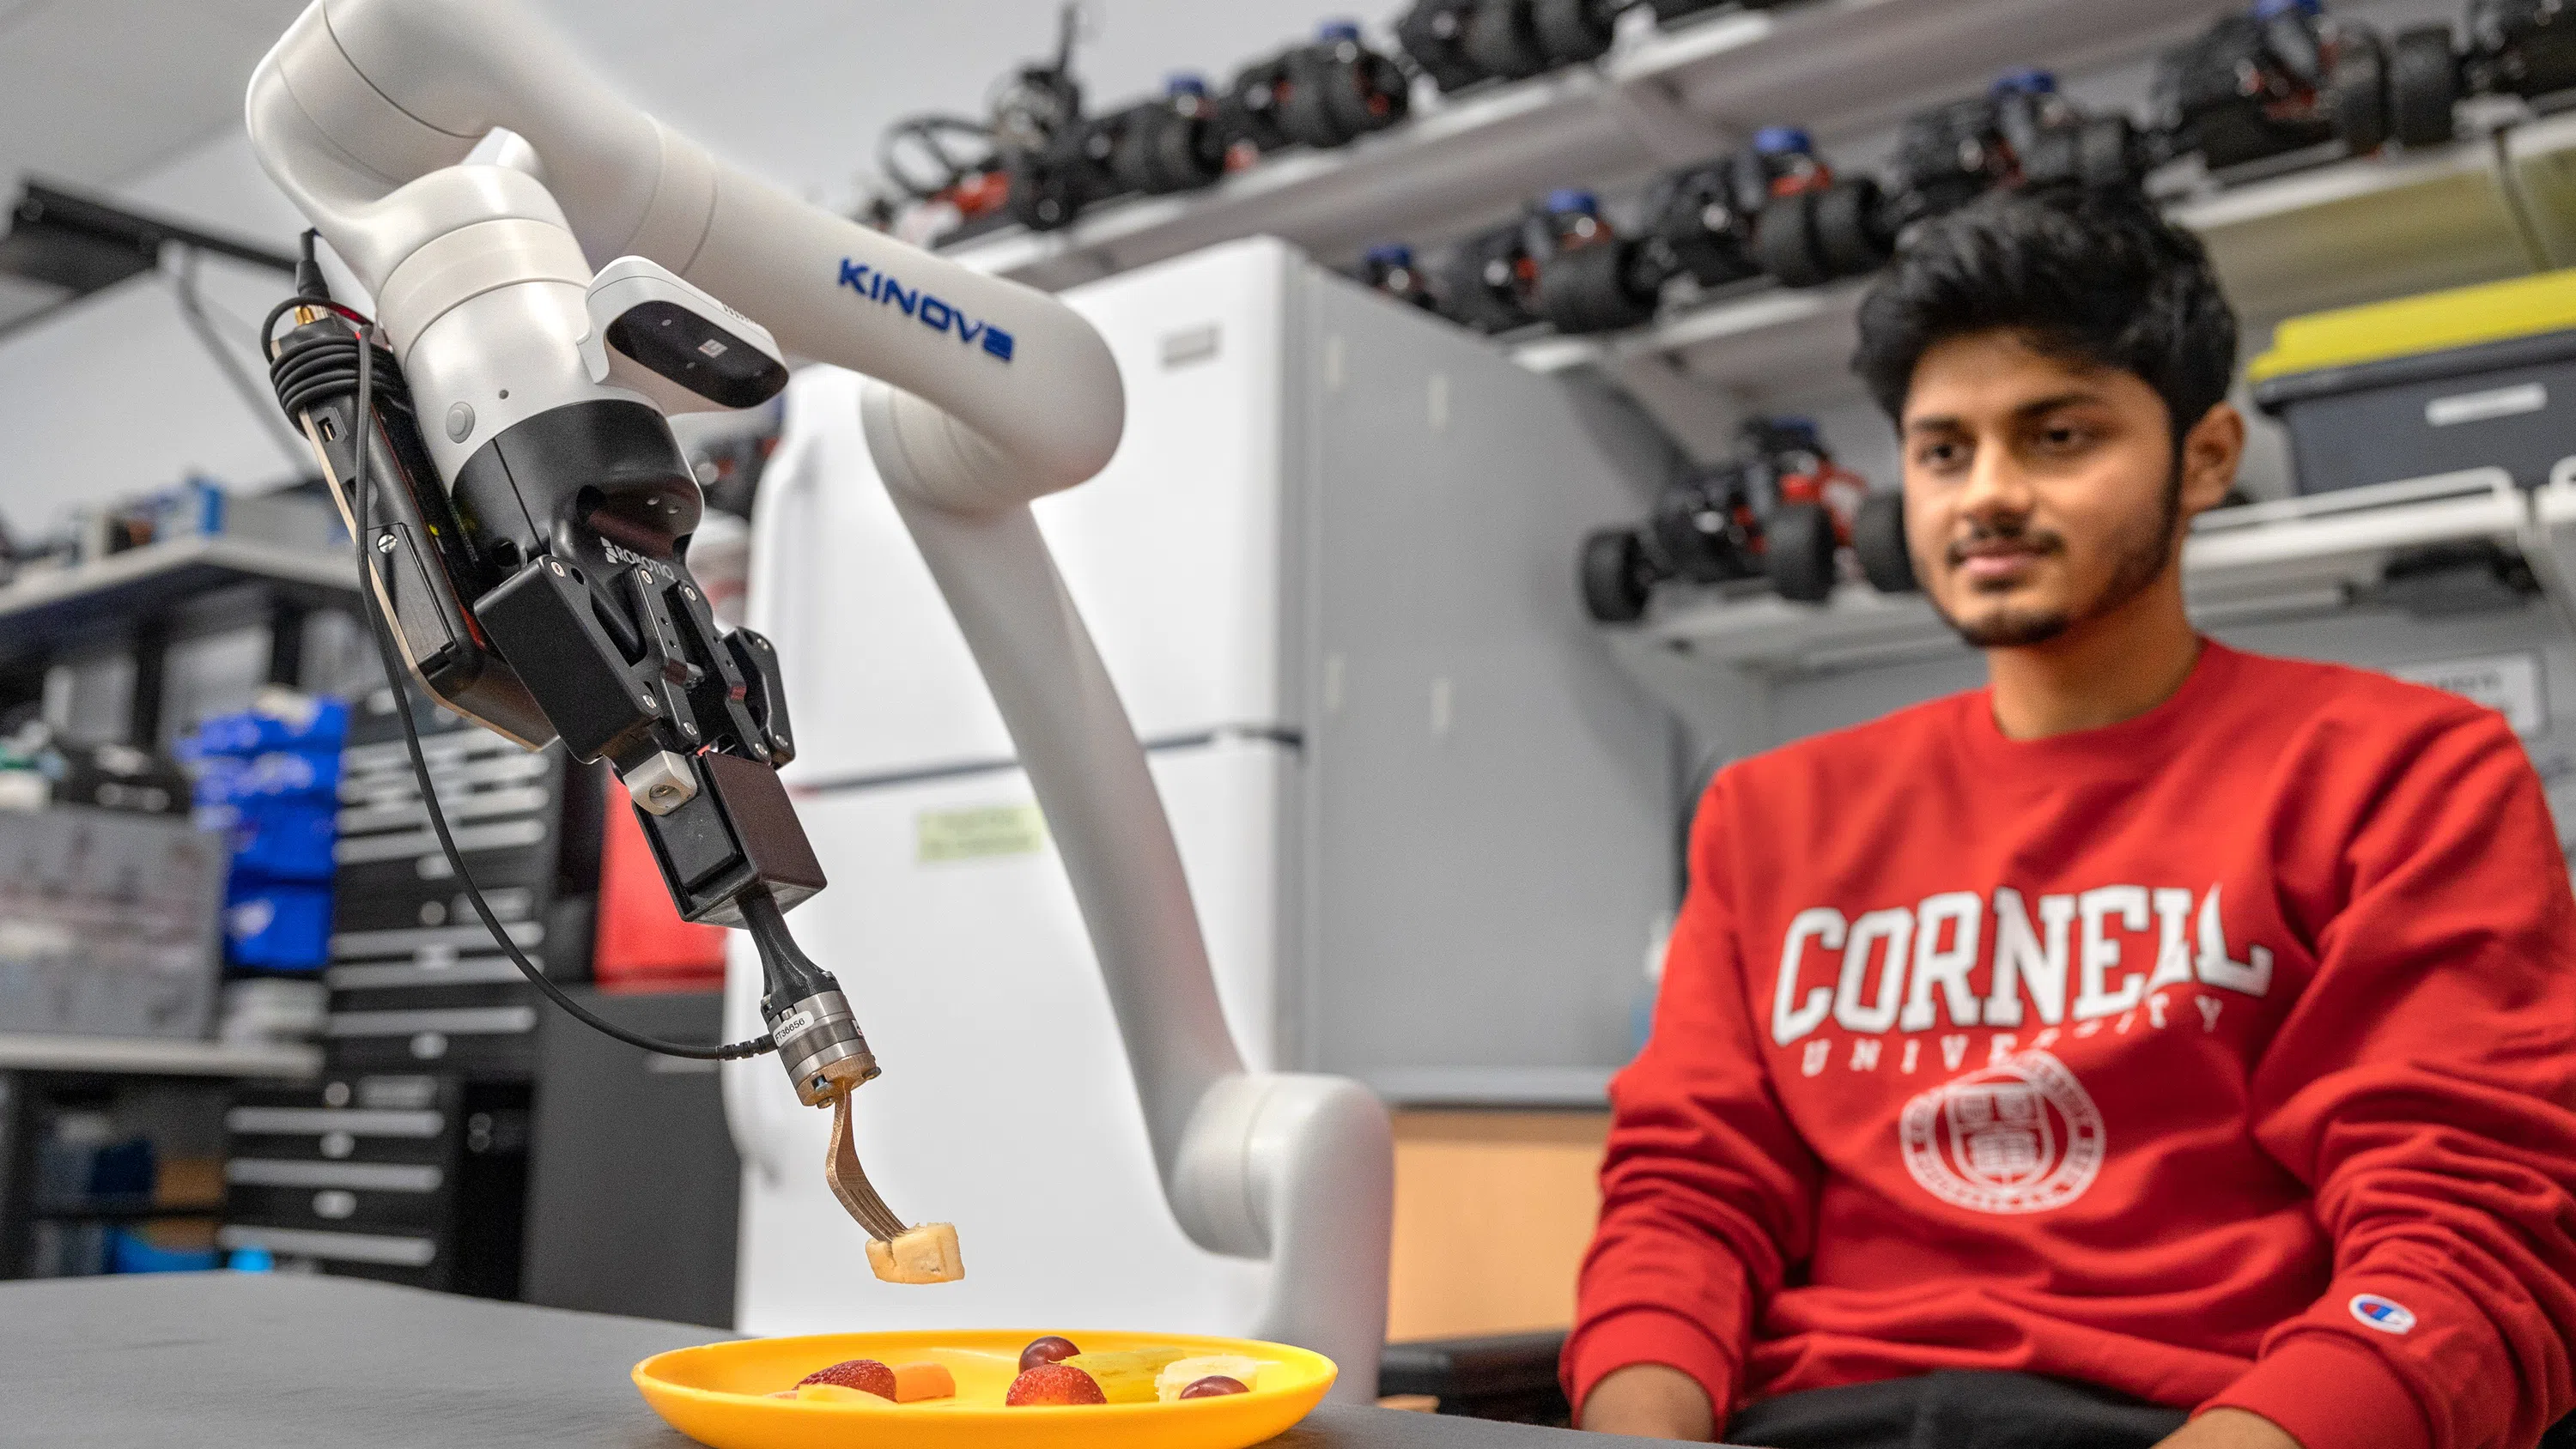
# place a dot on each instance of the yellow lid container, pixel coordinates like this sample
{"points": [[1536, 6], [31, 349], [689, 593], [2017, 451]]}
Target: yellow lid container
{"points": [[2414, 326]]}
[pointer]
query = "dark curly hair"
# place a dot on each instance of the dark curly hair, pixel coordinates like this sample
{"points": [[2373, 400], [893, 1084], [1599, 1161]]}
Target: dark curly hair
{"points": [[2092, 278]]}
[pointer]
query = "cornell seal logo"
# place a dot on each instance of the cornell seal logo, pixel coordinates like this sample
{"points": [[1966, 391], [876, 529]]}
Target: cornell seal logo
{"points": [[2022, 1136]]}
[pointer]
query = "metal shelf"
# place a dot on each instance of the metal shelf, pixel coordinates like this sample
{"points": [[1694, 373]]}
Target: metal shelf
{"points": [[110, 1211], [154, 1056], [2352, 231], [2541, 159], [2368, 228], [41, 608], [1661, 98], [2299, 555]]}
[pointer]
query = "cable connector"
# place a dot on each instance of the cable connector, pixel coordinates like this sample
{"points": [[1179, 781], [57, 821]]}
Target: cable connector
{"points": [[818, 1038], [308, 271]]}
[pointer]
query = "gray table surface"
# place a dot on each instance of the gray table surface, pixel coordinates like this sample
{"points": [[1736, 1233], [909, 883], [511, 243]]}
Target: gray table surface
{"points": [[271, 1361]]}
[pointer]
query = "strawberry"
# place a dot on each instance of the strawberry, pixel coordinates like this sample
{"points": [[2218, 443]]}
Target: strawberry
{"points": [[864, 1374], [1054, 1383]]}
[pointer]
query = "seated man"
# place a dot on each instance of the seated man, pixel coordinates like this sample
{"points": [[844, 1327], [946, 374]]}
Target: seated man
{"points": [[2161, 1043]]}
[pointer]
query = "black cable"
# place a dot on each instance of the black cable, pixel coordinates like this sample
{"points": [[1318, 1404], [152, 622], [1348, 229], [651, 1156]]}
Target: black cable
{"points": [[926, 131], [361, 495]]}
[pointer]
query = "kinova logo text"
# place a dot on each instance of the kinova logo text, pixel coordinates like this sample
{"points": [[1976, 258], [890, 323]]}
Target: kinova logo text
{"points": [[930, 311]]}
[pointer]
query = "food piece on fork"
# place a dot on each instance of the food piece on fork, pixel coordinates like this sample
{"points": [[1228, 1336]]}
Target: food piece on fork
{"points": [[926, 1254], [896, 1254]]}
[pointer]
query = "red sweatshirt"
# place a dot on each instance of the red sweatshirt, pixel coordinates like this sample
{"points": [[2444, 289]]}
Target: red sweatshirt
{"points": [[2224, 1056]]}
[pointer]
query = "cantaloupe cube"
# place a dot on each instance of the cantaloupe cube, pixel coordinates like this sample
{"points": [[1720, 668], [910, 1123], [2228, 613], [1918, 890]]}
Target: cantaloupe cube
{"points": [[914, 1382]]}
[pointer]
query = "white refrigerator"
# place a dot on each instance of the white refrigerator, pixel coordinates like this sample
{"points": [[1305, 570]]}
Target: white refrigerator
{"points": [[1427, 824]]}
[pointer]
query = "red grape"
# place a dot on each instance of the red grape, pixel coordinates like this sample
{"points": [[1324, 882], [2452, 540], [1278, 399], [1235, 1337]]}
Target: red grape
{"points": [[1049, 1349], [1214, 1386]]}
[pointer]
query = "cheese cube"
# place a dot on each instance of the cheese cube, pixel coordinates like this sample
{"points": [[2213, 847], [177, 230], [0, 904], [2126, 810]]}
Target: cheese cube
{"points": [[926, 1254]]}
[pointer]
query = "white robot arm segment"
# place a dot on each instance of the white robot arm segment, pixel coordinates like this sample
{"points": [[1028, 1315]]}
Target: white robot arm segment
{"points": [[362, 98]]}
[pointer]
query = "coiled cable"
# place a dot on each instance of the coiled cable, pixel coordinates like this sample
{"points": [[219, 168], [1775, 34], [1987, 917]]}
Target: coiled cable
{"points": [[323, 368]]}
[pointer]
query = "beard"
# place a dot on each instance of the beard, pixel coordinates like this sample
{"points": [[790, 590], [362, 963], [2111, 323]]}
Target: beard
{"points": [[2139, 557]]}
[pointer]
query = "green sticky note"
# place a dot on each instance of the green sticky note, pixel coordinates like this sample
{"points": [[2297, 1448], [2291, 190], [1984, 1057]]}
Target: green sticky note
{"points": [[978, 833]]}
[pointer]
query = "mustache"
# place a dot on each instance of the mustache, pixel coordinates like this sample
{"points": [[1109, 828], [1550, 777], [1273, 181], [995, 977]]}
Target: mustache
{"points": [[2007, 536]]}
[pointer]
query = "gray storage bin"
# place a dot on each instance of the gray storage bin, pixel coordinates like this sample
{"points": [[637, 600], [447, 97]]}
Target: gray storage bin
{"points": [[108, 923], [2509, 404]]}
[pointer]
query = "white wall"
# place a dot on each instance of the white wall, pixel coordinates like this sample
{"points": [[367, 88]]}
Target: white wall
{"points": [[114, 396]]}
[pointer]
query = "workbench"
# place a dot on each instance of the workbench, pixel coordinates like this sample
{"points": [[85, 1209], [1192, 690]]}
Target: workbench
{"points": [[277, 1361]]}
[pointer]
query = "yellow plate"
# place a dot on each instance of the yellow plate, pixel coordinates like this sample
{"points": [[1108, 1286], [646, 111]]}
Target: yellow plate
{"points": [[717, 1394]]}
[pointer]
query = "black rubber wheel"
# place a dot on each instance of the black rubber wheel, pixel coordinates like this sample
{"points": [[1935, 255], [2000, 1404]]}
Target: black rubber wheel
{"points": [[1847, 235], [2241, 134], [1594, 288], [1370, 93], [1500, 41], [2530, 54], [1615, 582], [1878, 538], [1571, 32], [1160, 151], [2423, 86], [1464, 281], [1249, 110], [1307, 113], [2359, 92], [1192, 154], [1784, 242], [1043, 195], [2107, 154], [1429, 33], [1136, 161], [1799, 546]]}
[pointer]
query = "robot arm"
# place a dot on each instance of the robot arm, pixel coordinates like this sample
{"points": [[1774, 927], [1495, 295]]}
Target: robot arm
{"points": [[361, 106], [496, 287]]}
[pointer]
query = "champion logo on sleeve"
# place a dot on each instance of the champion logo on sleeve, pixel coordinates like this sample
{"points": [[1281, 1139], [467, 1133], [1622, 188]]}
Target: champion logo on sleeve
{"points": [[2385, 1314]]}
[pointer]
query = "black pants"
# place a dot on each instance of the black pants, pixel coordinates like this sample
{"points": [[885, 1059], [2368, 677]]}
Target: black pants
{"points": [[1955, 1410]]}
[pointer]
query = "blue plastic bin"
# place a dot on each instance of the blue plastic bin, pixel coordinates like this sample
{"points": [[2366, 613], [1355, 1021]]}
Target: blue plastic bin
{"points": [[127, 1252], [277, 926]]}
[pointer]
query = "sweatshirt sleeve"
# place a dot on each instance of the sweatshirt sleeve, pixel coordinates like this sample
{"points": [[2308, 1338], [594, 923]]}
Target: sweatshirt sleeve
{"points": [[1707, 1192], [2424, 1088]]}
